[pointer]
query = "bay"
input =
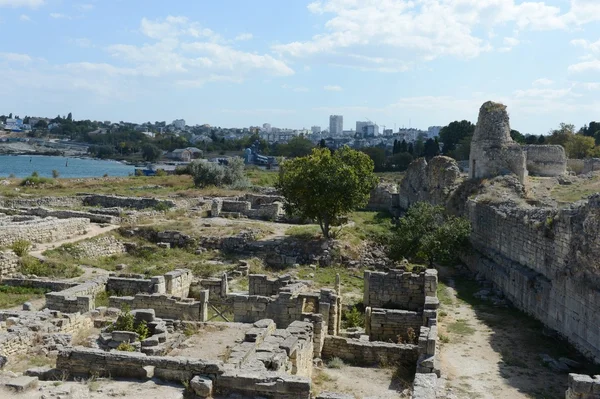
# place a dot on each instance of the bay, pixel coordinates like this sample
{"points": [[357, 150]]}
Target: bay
{"points": [[25, 165]]}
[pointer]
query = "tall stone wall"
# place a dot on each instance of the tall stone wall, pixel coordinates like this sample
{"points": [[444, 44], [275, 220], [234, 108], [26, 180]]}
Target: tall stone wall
{"points": [[261, 284], [583, 387], [546, 263], [112, 201], [55, 202], [493, 152], [591, 165], [41, 230], [431, 182], [393, 325], [381, 197], [546, 160], [399, 289]]}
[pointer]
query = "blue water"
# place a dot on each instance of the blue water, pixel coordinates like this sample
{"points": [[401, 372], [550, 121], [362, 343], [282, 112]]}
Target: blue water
{"points": [[24, 165]]}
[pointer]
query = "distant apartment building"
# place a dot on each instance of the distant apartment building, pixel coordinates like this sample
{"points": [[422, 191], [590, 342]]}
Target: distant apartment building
{"points": [[179, 124], [336, 125], [367, 129], [267, 127], [315, 129], [433, 131]]}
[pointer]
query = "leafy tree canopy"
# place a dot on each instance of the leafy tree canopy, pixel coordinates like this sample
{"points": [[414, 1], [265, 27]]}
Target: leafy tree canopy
{"points": [[324, 186]]}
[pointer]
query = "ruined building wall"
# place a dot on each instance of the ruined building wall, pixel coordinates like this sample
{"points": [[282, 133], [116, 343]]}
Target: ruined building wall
{"points": [[9, 263], [431, 181], [546, 263], [546, 160], [493, 152], [381, 197], [399, 289], [166, 306], [80, 298], [40, 230]]}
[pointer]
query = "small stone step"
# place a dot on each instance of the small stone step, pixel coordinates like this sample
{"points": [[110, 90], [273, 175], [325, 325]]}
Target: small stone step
{"points": [[21, 384]]}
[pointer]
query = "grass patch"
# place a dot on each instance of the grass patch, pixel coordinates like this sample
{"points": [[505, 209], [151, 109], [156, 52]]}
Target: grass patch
{"points": [[30, 265], [443, 295], [102, 298], [460, 327], [262, 177], [304, 232], [13, 296], [579, 190], [351, 279]]}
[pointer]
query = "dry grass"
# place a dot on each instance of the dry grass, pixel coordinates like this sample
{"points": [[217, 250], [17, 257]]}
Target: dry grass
{"points": [[581, 189]]}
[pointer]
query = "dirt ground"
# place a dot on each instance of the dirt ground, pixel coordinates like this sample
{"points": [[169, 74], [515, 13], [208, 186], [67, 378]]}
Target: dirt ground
{"points": [[213, 341], [362, 382], [494, 352], [98, 389]]}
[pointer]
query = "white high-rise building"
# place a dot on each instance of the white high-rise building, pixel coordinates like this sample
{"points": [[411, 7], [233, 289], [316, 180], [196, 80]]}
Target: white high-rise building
{"points": [[267, 127], [315, 129], [336, 125], [179, 124]]}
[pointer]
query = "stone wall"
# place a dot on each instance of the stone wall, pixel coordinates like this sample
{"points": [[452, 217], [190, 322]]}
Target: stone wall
{"points": [[40, 230], [576, 165], [254, 209], [97, 247], [261, 284], [546, 160], [546, 263], [9, 263], [591, 165], [48, 285], [84, 362], [399, 289], [381, 197], [112, 201], [431, 182], [166, 306], [583, 387], [178, 281], [365, 353], [393, 325], [493, 151], [80, 298], [55, 202], [67, 214]]}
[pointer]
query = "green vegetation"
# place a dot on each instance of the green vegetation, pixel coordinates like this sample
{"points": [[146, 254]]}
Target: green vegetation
{"points": [[13, 296], [304, 232], [351, 280], [353, 318], [126, 347], [579, 190], [55, 174], [457, 139], [212, 174], [30, 265], [325, 187], [428, 233], [21, 247], [460, 327], [102, 298], [35, 180], [260, 177], [443, 295]]}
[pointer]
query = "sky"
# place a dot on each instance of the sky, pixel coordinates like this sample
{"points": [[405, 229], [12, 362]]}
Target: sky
{"points": [[292, 63]]}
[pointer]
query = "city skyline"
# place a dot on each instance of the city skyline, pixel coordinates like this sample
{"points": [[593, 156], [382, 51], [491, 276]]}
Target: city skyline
{"points": [[293, 64]]}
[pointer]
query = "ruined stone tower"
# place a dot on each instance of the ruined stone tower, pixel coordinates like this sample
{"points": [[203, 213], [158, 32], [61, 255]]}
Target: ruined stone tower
{"points": [[493, 151]]}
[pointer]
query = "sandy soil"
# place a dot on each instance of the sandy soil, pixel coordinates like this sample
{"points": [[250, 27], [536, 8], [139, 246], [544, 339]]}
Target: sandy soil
{"points": [[213, 341], [494, 354], [362, 382]]}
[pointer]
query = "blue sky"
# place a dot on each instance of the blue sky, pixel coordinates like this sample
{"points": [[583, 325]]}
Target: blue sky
{"points": [[292, 63]]}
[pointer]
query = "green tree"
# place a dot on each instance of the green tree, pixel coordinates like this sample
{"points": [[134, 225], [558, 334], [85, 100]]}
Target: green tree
{"points": [[325, 186], [428, 233], [70, 117], [151, 153], [400, 161], [517, 136], [431, 148], [580, 146], [454, 133], [562, 135], [403, 147], [41, 124], [419, 147], [377, 155], [296, 147]]}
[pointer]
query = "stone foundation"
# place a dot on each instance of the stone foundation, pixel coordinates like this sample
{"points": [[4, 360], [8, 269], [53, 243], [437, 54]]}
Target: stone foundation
{"points": [[80, 298], [36, 230], [166, 306], [365, 353]]}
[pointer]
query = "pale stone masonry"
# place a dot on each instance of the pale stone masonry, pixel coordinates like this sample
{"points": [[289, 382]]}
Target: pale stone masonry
{"points": [[399, 289], [80, 298], [39, 230], [583, 387], [167, 306]]}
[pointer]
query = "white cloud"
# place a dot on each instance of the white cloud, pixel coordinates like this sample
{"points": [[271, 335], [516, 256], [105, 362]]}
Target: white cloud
{"points": [[332, 88], [84, 7], [297, 89], [22, 3], [544, 94], [57, 15], [542, 82], [590, 61], [593, 65], [15, 57], [394, 35], [244, 37], [24, 18]]}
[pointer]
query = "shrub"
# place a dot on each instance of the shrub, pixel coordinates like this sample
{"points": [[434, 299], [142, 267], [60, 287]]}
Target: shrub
{"points": [[139, 172], [124, 320], [182, 170], [35, 174], [31, 265], [126, 347], [335, 363], [36, 180], [212, 174], [161, 172], [353, 318], [55, 173], [142, 330], [161, 207], [21, 247]]}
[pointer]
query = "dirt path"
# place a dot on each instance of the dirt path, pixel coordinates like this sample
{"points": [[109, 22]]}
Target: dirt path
{"points": [[93, 231], [492, 352]]}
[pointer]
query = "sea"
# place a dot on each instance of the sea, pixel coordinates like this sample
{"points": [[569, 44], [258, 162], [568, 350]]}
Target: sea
{"points": [[25, 165]]}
